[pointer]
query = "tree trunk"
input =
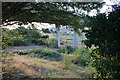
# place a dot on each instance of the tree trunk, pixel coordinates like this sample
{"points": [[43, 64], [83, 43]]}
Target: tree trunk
{"points": [[75, 40]]}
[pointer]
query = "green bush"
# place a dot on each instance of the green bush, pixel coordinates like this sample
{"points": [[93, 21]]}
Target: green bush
{"points": [[51, 42], [81, 57], [5, 38], [42, 53], [62, 42], [19, 41], [22, 36], [69, 49], [6, 53], [39, 41]]}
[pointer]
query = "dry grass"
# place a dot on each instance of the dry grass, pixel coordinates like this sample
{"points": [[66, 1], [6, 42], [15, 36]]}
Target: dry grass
{"points": [[16, 63], [89, 71], [56, 67], [38, 62], [36, 67], [26, 70]]}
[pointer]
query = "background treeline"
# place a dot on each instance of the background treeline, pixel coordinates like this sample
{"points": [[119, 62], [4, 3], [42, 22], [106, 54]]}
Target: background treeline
{"points": [[22, 36]]}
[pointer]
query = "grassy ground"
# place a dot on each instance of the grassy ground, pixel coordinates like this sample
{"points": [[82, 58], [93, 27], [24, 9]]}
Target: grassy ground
{"points": [[22, 66], [16, 48]]}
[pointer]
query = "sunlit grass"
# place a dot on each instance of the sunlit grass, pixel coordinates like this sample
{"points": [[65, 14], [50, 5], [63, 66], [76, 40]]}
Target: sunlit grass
{"points": [[39, 67]]}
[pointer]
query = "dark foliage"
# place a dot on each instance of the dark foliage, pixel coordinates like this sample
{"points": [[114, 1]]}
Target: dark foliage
{"points": [[104, 34], [68, 49], [42, 53]]}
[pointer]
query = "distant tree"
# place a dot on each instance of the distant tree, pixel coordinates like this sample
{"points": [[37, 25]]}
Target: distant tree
{"points": [[5, 38]]}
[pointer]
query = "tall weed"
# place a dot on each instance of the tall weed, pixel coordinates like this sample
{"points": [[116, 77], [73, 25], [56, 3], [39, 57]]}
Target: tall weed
{"points": [[66, 60]]}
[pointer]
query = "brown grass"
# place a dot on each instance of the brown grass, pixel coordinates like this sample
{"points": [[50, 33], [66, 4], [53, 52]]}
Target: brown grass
{"points": [[37, 67]]}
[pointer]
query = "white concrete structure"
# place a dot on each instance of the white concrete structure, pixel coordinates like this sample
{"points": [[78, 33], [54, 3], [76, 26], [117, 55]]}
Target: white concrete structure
{"points": [[75, 40], [58, 36], [83, 37]]}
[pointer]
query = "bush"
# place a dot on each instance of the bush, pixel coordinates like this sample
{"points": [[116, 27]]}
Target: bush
{"points": [[5, 38], [45, 36], [6, 53], [81, 56], [22, 37], [51, 42], [42, 53], [20, 42], [69, 49], [62, 42], [39, 41]]}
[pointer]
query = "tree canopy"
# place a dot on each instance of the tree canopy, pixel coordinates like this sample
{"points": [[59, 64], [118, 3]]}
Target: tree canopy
{"points": [[104, 34], [60, 13]]}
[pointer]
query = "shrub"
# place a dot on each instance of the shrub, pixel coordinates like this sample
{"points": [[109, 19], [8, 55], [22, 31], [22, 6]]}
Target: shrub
{"points": [[5, 38], [19, 42], [39, 41], [6, 53], [22, 36], [69, 49], [51, 42], [81, 56], [62, 42], [42, 53], [45, 36]]}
